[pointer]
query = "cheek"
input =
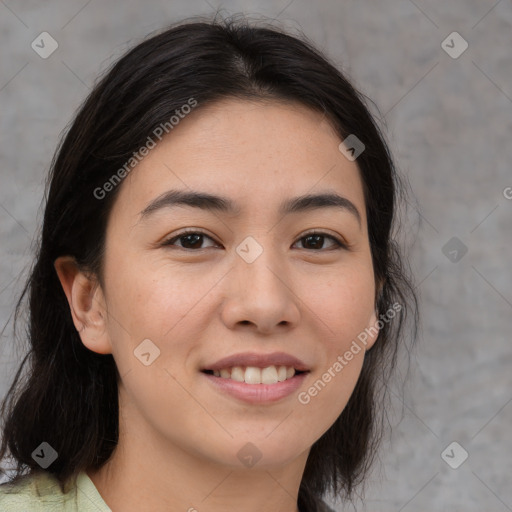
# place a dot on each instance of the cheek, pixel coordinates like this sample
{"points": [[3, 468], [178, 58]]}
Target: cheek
{"points": [[345, 308], [342, 303], [141, 297], [162, 303]]}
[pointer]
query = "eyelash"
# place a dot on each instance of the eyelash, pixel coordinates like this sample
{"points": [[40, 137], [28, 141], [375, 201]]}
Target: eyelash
{"points": [[339, 243]]}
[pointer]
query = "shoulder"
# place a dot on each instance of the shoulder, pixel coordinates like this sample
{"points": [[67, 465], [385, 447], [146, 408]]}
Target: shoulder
{"points": [[41, 492], [36, 492]]}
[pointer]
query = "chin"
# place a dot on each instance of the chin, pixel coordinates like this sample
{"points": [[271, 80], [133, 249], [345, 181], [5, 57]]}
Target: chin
{"points": [[255, 452]]}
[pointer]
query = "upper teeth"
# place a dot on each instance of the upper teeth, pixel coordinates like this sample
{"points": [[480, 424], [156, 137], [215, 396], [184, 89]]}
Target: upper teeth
{"points": [[254, 375]]}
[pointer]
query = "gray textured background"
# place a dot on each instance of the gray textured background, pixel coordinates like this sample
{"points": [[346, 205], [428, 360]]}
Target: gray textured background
{"points": [[449, 124]]}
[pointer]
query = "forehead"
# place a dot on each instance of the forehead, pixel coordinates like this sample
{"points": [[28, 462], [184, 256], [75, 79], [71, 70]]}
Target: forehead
{"points": [[257, 153]]}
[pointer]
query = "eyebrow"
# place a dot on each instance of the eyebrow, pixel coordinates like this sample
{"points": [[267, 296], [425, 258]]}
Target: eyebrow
{"points": [[210, 202]]}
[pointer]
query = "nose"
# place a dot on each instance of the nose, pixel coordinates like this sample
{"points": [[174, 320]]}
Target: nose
{"points": [[261, 294]]}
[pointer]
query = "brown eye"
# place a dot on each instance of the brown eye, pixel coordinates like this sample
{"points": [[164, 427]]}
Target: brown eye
{"points": [[190, 240], [315, 241]]}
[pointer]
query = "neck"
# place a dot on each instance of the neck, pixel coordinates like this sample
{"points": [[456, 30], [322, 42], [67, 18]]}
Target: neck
{"points": [[147, 473]]}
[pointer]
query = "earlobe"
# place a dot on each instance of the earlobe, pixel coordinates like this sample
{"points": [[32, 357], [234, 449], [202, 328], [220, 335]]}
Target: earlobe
{"points": [[86, 304]]}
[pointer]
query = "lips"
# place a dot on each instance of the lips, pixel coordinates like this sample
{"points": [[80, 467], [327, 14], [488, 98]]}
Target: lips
{"points": [[251, 377], [258, 394]]}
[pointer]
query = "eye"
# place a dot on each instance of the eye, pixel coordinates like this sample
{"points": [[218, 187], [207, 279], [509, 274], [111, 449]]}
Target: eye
{"points": [[316, 239], [192, 239]]}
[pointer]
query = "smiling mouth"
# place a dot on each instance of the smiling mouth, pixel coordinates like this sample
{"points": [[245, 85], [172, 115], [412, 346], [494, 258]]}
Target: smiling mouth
{"points": [[254, 375]]}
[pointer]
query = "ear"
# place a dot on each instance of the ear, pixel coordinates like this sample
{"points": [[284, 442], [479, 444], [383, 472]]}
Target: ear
{"points": [[372, 331], [86, 303]]}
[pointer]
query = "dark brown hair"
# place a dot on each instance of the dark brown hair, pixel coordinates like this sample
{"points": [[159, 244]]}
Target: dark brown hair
{"points": [[65, 394]]}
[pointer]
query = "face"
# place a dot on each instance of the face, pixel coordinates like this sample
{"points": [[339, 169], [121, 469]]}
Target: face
{"points": [[253, 281]]}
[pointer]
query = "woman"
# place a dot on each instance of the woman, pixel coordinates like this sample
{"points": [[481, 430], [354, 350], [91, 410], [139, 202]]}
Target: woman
{"points": [[217, 301]]}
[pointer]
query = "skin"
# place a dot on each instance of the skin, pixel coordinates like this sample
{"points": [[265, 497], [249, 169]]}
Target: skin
{"points": [[179, 436]]}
